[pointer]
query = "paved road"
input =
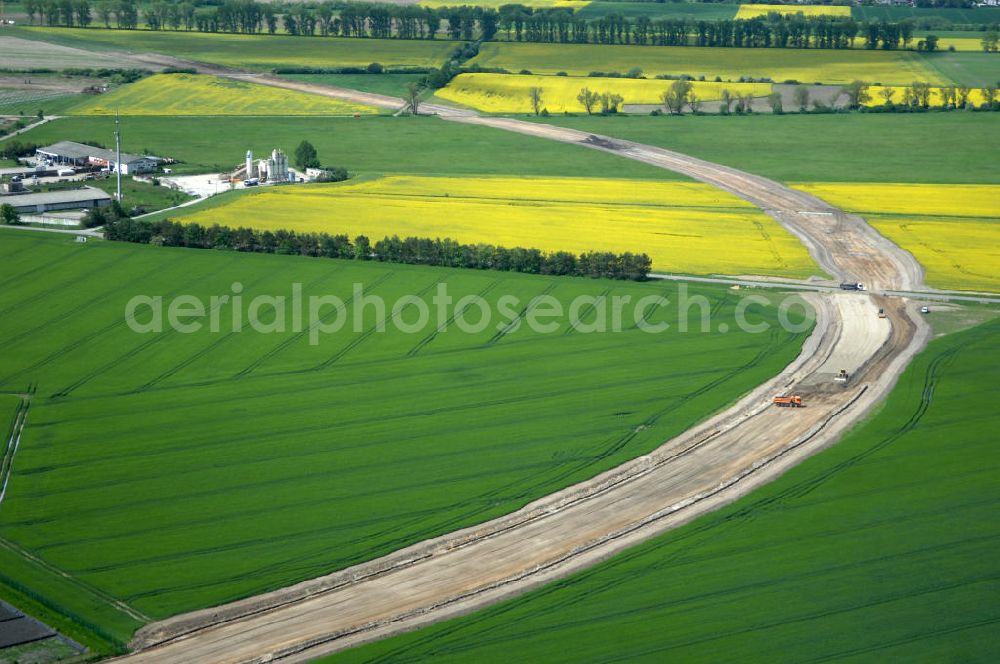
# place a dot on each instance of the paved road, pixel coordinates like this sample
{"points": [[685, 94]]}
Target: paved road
{"points": [[36, 123], [88, 232], [714, 463]]}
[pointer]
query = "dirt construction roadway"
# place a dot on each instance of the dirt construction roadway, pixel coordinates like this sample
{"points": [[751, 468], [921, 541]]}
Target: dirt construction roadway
{"points": [[714, 463]]}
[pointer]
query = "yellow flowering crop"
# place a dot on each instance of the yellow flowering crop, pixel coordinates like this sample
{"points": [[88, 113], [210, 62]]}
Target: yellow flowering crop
{"points": [[976, 95], [192, 94], [928, 200], [952, 229], [510, 93], [753, 11], [970, 44], [684, 227]]}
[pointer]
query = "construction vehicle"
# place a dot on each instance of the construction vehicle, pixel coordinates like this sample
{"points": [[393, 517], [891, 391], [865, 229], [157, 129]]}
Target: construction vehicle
{"points": [[852, 286], [881, 313], [788, 402], [842, 377]]}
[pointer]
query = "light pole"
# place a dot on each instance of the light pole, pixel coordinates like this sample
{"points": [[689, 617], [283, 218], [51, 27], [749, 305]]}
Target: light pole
{"points": [[118, 156]]}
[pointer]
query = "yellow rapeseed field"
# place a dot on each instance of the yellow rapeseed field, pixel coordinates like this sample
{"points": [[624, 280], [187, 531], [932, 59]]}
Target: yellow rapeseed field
{"points": [[193, 94], [509, 93], [753, 11], [969, 44], [684, 227], [953, 230], [976, 95]]}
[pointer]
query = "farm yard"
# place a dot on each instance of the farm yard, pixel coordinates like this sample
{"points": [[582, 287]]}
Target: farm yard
{"points": [[190, 94], [290, 420], [684, 227], [265, 438]]}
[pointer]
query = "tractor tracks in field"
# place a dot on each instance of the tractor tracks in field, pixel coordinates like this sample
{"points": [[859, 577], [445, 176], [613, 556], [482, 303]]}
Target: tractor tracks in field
{"points": [[711, 464]]}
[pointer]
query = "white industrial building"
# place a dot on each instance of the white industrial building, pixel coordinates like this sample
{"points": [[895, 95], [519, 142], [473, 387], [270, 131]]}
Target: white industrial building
{"points": [[274, 169], [71, 153]]}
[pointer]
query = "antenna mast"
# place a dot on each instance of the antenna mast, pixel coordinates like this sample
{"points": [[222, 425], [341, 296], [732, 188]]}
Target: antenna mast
{"points": [[118, 156]]}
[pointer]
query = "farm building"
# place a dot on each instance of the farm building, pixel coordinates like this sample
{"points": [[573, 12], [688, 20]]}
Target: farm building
{"points": [[71, 153], [70, 199]]}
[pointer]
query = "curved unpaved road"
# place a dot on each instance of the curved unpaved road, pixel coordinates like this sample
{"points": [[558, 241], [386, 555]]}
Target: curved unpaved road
{"points": [[712, 464]]}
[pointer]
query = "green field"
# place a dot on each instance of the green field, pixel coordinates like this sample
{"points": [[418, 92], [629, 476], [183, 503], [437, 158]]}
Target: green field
{"points": [[692, 11], [881, 548], [261, 459], [973, 69], [260, 52], [780, 64], [393, 85], [19, 102], [977, 15], [423, 145], [932, 147]]}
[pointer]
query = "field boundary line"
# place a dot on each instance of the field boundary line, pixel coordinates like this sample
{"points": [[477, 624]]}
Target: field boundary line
{"points": [[79, 583], [12, 444]]}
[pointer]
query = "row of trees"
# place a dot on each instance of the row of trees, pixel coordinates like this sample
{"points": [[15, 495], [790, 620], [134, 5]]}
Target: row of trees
{"points": [[410, 250], [681, 95], [918, 95], [517, 22]]}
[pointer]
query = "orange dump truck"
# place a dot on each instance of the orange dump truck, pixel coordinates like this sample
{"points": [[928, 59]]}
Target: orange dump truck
{"points": [[788, 402]]}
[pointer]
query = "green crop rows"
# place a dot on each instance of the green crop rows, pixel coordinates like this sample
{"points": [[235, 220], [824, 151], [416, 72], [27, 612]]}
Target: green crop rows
{"points": [[882, 548], [800, 148], [261, 52], [779, 64], [166, 472]]}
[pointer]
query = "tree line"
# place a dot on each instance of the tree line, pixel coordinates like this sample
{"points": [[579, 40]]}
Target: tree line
{"points": [[516, 22], [410, 250]]}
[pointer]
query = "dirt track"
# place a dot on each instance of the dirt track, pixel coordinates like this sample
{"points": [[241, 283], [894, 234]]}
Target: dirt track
{"points": [[727, 456]]}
